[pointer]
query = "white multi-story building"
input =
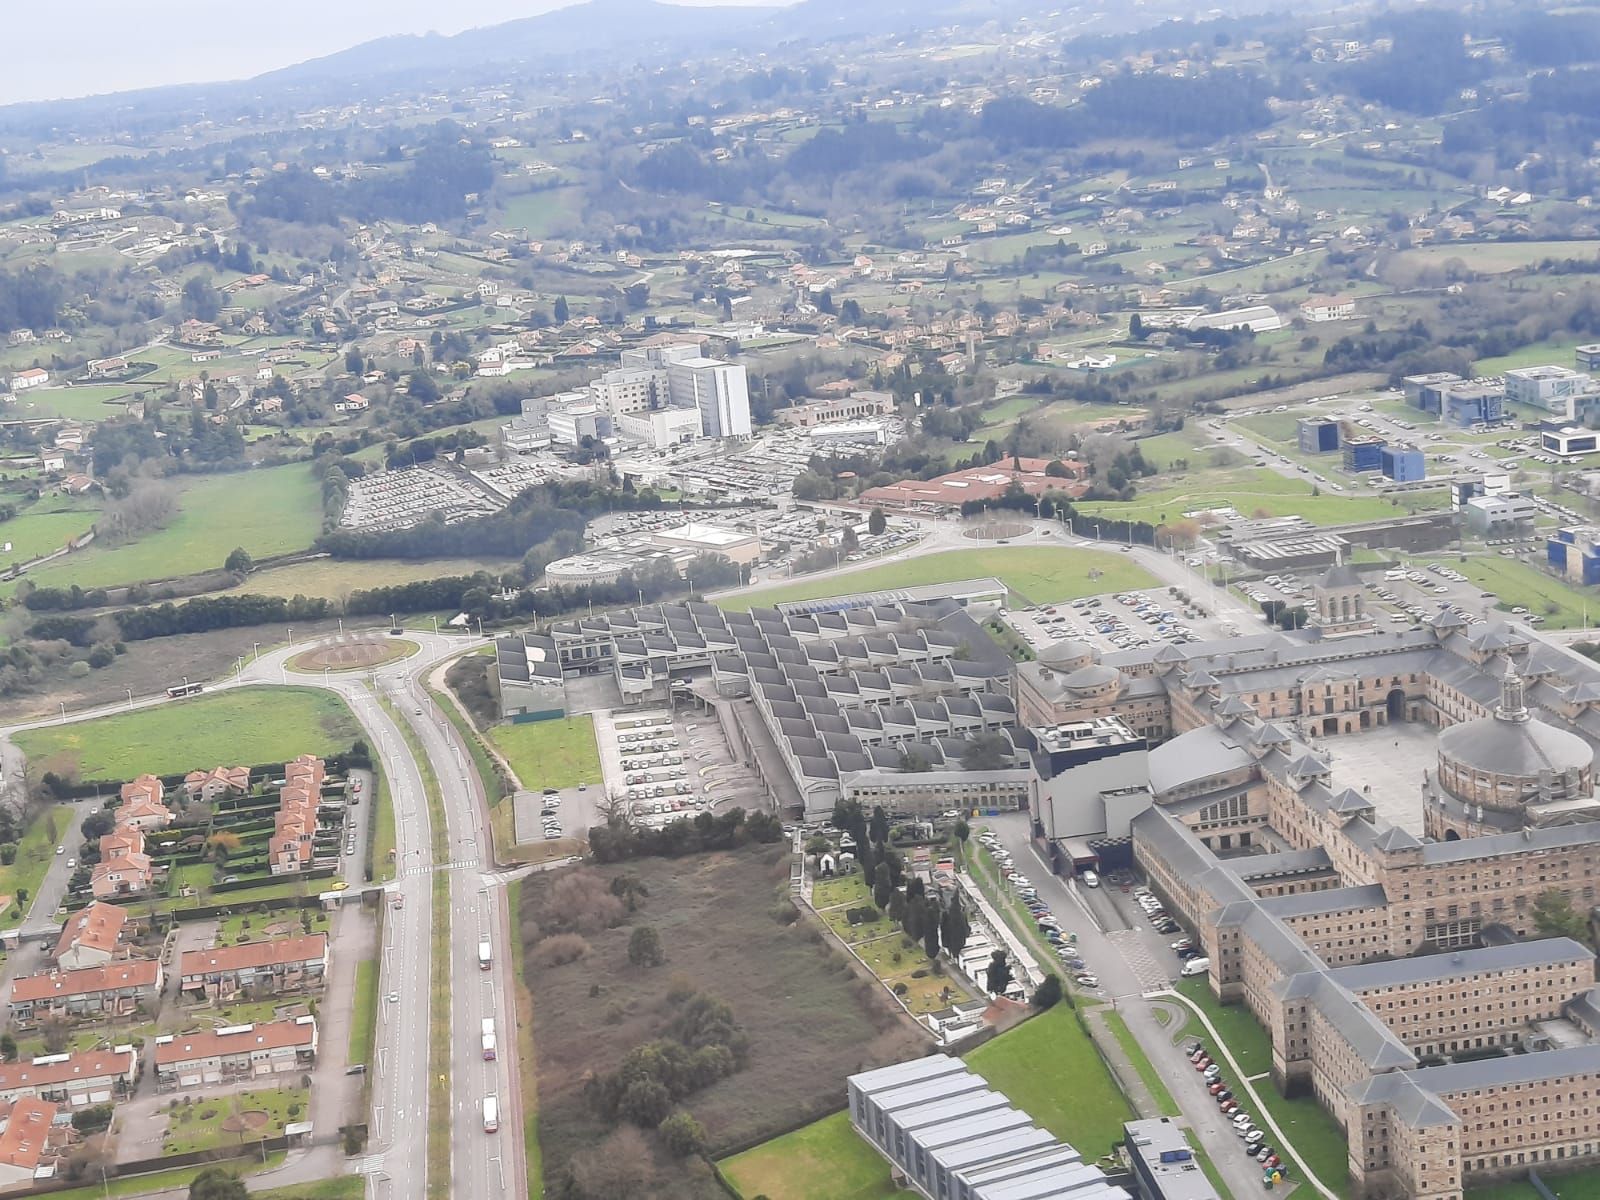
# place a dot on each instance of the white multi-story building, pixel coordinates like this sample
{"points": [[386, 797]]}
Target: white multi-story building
{"points": [[1548, 387], [720, 390], [630, 390], [661, 428], [570, 424]]}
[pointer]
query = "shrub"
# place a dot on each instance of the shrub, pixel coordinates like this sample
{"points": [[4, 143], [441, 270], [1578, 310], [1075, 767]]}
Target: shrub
{"points": [[561, 948], [682, 1134]]}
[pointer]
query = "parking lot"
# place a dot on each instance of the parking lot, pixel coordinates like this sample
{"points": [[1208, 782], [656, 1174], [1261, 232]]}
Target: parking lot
{"points": [[666, 765], [1124, 621]]}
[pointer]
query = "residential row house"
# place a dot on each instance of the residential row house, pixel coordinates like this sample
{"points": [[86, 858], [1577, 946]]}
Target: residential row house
{"points": [[29, 1142], [285, 964], [113, 990], [72, 1080], [239, 1052], [212, 785]]}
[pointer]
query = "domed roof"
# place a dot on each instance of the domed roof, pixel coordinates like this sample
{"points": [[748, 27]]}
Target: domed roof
{"points": [[1098, 675], [1522, 748], [1066, 655], [1512, 742]]}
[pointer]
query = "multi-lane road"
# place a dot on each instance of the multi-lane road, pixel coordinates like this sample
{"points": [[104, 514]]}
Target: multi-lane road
{"points": [[481, 1164]]}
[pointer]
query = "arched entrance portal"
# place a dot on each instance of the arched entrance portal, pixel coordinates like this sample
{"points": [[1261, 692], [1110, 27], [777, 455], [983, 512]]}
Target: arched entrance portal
{"points": [[1450, 835], [1397, 705]]}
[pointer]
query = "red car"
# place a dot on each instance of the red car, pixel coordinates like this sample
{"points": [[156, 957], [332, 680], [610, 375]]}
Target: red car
{"points": [[1217, 1087], [1272, 1162], [1201, 1063]]}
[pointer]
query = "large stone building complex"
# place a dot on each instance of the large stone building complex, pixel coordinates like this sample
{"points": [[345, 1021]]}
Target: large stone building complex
{"points": [[1397, 964]]}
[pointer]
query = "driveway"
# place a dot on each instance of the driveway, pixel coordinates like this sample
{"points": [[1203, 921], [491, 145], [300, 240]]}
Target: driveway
{"points": [[1132, 960]]}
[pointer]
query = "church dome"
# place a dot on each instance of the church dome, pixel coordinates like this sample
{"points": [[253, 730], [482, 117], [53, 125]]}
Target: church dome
{"points": [[1510, 759]]}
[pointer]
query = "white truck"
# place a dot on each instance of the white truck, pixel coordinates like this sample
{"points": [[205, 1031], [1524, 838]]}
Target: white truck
{"points": [[485, 956], [491, 1114], [488, 1039]]}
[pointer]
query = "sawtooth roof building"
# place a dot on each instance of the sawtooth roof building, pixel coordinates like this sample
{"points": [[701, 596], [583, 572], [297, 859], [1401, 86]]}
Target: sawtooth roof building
{"points": [[868, 697]]}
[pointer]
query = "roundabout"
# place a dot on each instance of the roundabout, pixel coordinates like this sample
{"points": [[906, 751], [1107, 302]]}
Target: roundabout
{"points": [[355, 654]]}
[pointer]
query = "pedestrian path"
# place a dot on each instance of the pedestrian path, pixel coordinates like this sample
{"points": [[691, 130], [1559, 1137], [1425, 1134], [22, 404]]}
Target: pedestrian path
{"points": [[460, 864]]}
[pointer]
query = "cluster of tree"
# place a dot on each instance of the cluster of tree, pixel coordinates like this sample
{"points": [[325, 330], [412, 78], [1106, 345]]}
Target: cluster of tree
{"points": [[30, 299], [527, 521], [700, 1045], [218, 612], [619, 839], [1283, 615], [1135, 104], [1425, 68], [456, 442], [431, 186]]}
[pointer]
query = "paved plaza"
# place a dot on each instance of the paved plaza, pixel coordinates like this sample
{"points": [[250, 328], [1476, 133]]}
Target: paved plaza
{"points": [[1387, 764]]}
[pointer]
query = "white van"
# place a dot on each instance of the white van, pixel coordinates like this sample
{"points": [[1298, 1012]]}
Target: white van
{"points": [[1195, 966]]}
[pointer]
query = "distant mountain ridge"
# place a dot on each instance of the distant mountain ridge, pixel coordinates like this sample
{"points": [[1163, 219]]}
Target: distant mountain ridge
{"points": [[635, 26]]}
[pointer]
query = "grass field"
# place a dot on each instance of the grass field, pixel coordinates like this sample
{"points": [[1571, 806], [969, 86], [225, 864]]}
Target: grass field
{"points": [[272, 511], [334, 579], [246, 725], [826, 1160], [544, 212], [1028, 1065], [1492, 258], [558, 754], [1042, 574], [35, 534], [1256, 491], [86, 404]]}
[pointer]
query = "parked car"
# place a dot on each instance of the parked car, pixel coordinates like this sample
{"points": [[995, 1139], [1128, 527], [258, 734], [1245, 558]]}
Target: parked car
{"points": [[1224, 1096]]}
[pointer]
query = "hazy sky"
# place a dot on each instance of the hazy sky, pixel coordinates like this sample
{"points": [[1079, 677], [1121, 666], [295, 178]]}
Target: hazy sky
{"points": [[111, 45]]}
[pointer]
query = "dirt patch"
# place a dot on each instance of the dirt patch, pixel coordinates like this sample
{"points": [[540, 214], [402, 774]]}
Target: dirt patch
{"points": [[989, 531], [246, 1122], [358, 654], [809, 1019]]}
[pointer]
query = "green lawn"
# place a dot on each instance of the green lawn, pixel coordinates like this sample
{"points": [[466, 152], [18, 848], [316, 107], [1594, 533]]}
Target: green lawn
{"points": [[826, 1160], [558, 754], [364, 1013], [1579, 1185], [245, 725], [181, 1177], [34, 853], [267, 512], [1032, 1064], [1041, 574], [1315, 1135], [199, 1126], [340, 1187], [1141, 1063], [544, 212]]}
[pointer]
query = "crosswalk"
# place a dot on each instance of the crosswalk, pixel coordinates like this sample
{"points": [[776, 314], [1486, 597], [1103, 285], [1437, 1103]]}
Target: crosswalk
{"points": [[460, 864], [1136, 952]]}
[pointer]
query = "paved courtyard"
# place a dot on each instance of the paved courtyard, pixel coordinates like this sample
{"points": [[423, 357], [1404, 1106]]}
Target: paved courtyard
{"points": [[1386, 764]]}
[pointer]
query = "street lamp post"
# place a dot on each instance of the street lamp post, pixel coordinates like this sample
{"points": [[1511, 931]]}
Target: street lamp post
{"points": [[255, 651], [130, 696]]}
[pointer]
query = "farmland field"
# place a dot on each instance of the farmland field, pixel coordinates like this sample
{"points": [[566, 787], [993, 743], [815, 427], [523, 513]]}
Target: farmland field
{"points": [[272, 511], [336, 578], [243, 725], [1043, 574]]}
